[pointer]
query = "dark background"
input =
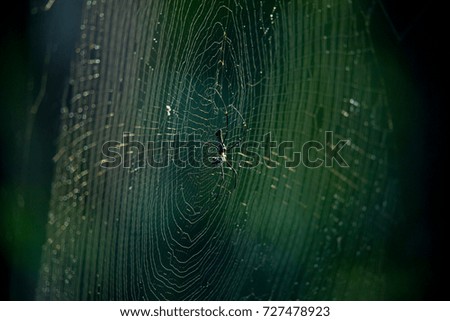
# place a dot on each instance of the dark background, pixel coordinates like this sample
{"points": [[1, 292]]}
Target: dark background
{"points": [[414, 36], [417, 32], [32, 45]]}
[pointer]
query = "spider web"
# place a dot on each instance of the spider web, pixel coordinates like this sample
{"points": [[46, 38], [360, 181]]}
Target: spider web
{"points": [[163, 69]]}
